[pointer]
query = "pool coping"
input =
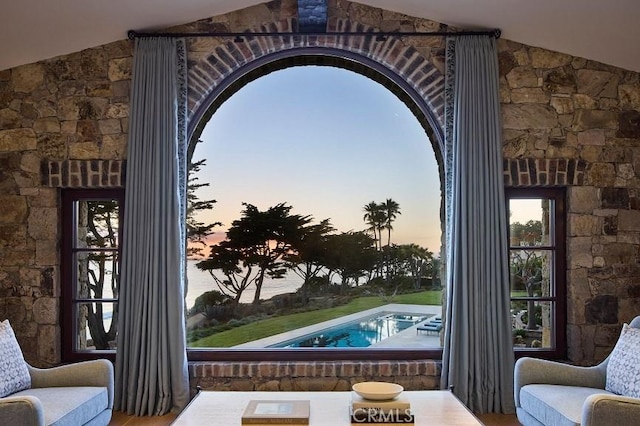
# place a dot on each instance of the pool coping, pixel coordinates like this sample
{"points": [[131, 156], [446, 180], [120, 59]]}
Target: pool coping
{"points": [[406, 338]]}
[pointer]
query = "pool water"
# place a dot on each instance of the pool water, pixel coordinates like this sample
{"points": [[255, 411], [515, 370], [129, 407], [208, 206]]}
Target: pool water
{"points": [[356, 334]]}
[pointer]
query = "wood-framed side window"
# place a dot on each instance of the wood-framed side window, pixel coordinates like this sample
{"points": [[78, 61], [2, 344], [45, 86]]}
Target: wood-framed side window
{"points": [[90, 269], [537, 263]]}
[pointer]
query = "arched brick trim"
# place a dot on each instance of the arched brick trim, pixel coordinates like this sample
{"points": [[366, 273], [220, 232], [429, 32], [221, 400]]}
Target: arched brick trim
{"points": [[310, 56], [419, 80]]}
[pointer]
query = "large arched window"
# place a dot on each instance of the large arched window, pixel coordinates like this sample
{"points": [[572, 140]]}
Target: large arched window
{"points": [[344, 166]]}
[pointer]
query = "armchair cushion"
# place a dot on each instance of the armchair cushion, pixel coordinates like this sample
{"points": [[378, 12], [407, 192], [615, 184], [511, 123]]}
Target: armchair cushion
{"points": [[623, 369], [15, 374], [69, 405], [556, 404]]}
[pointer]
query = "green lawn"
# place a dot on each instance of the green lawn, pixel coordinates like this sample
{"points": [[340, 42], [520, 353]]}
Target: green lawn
{"points": [[269, 327]]}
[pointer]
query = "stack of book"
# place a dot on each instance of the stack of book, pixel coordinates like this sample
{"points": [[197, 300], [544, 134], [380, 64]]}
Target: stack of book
{"points": [[277, 412], [386, 412]]}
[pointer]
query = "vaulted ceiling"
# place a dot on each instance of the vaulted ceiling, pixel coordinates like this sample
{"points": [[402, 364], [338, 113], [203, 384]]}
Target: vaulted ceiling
{"points": [[606, 31]]}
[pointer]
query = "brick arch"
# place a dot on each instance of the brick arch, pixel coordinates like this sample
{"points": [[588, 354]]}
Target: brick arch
{"points": [[398, 66]]}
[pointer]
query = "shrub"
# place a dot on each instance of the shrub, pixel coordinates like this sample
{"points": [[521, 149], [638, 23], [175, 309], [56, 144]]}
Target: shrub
{"points": [[537, 314], [235, 323], [319, 286], [210, 298], [218, 312]]}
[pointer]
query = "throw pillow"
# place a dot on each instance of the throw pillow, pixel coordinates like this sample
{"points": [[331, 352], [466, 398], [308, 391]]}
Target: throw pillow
{"points": [[623, 369], [14, 374]]}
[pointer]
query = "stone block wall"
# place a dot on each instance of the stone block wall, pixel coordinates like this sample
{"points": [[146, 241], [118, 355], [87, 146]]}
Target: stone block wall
{"points": [[581, 119], [567, 121], [61, 121]]}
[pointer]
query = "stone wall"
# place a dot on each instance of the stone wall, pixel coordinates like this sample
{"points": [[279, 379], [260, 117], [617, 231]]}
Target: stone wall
{"points": [[567, 121], [74, 108], [582, 117]]}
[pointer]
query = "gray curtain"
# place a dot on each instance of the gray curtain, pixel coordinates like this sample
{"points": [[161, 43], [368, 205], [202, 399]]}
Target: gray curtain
{"points": [[478, 355], [151, 362]]}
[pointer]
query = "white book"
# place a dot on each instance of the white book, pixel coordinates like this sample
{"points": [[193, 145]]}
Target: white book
{"points": [[400, 402]]}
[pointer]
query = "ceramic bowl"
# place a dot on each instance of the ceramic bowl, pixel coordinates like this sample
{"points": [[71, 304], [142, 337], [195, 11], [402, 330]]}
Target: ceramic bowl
{"points": [[378, 391]]}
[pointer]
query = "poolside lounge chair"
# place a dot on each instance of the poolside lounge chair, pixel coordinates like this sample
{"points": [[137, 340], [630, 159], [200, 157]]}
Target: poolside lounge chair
{"points": [[429, 328]]}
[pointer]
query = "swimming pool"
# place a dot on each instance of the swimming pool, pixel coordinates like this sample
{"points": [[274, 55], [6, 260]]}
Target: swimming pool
{"points": [[356, 334]]}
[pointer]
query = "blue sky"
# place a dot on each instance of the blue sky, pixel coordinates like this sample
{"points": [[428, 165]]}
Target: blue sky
{"points": [[326, 141]]}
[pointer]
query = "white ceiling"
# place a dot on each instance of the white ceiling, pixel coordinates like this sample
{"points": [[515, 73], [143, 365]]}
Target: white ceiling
{"points": [[604, 30]]}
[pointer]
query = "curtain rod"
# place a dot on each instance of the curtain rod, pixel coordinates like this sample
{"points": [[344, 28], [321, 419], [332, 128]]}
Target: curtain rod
{"points": [[131, 34]]}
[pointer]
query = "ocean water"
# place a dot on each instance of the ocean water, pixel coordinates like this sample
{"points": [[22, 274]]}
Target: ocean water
{"points": [[200, 282]]}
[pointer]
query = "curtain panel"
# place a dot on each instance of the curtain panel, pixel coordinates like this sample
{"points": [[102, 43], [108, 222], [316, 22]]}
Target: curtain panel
{"points": [[478, 355], [151, 362]]}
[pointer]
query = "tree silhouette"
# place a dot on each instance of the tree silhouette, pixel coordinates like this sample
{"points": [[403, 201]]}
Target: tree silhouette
{"points": [[374, 217], [309, 255], [351, 255], [526, 263], [197, 231], [98, 271], [420, 263], [255, 243], [229, 261], [391, 210], [381, 216]]}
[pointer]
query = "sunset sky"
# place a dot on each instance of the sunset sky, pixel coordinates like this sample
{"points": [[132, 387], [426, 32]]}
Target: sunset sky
{"points": [[326, 141]]}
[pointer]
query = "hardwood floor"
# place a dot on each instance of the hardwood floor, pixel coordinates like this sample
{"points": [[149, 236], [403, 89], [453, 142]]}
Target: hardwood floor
{"points": [[499, 419], [121, 419]]}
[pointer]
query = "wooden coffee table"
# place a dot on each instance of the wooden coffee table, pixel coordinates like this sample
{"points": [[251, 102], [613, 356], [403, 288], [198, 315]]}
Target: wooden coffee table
{"points": [[432, 408]]}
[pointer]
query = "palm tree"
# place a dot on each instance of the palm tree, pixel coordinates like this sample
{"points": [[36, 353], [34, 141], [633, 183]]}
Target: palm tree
{"points": [[391, 210], [374, 216]]}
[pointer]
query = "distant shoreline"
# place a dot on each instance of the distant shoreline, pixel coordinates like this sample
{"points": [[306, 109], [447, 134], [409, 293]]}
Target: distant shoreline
{"points": [[199, 282]]}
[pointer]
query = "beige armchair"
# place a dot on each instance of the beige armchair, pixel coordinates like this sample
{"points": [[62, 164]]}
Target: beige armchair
{"points": [[551, 393], [73, 395]]}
